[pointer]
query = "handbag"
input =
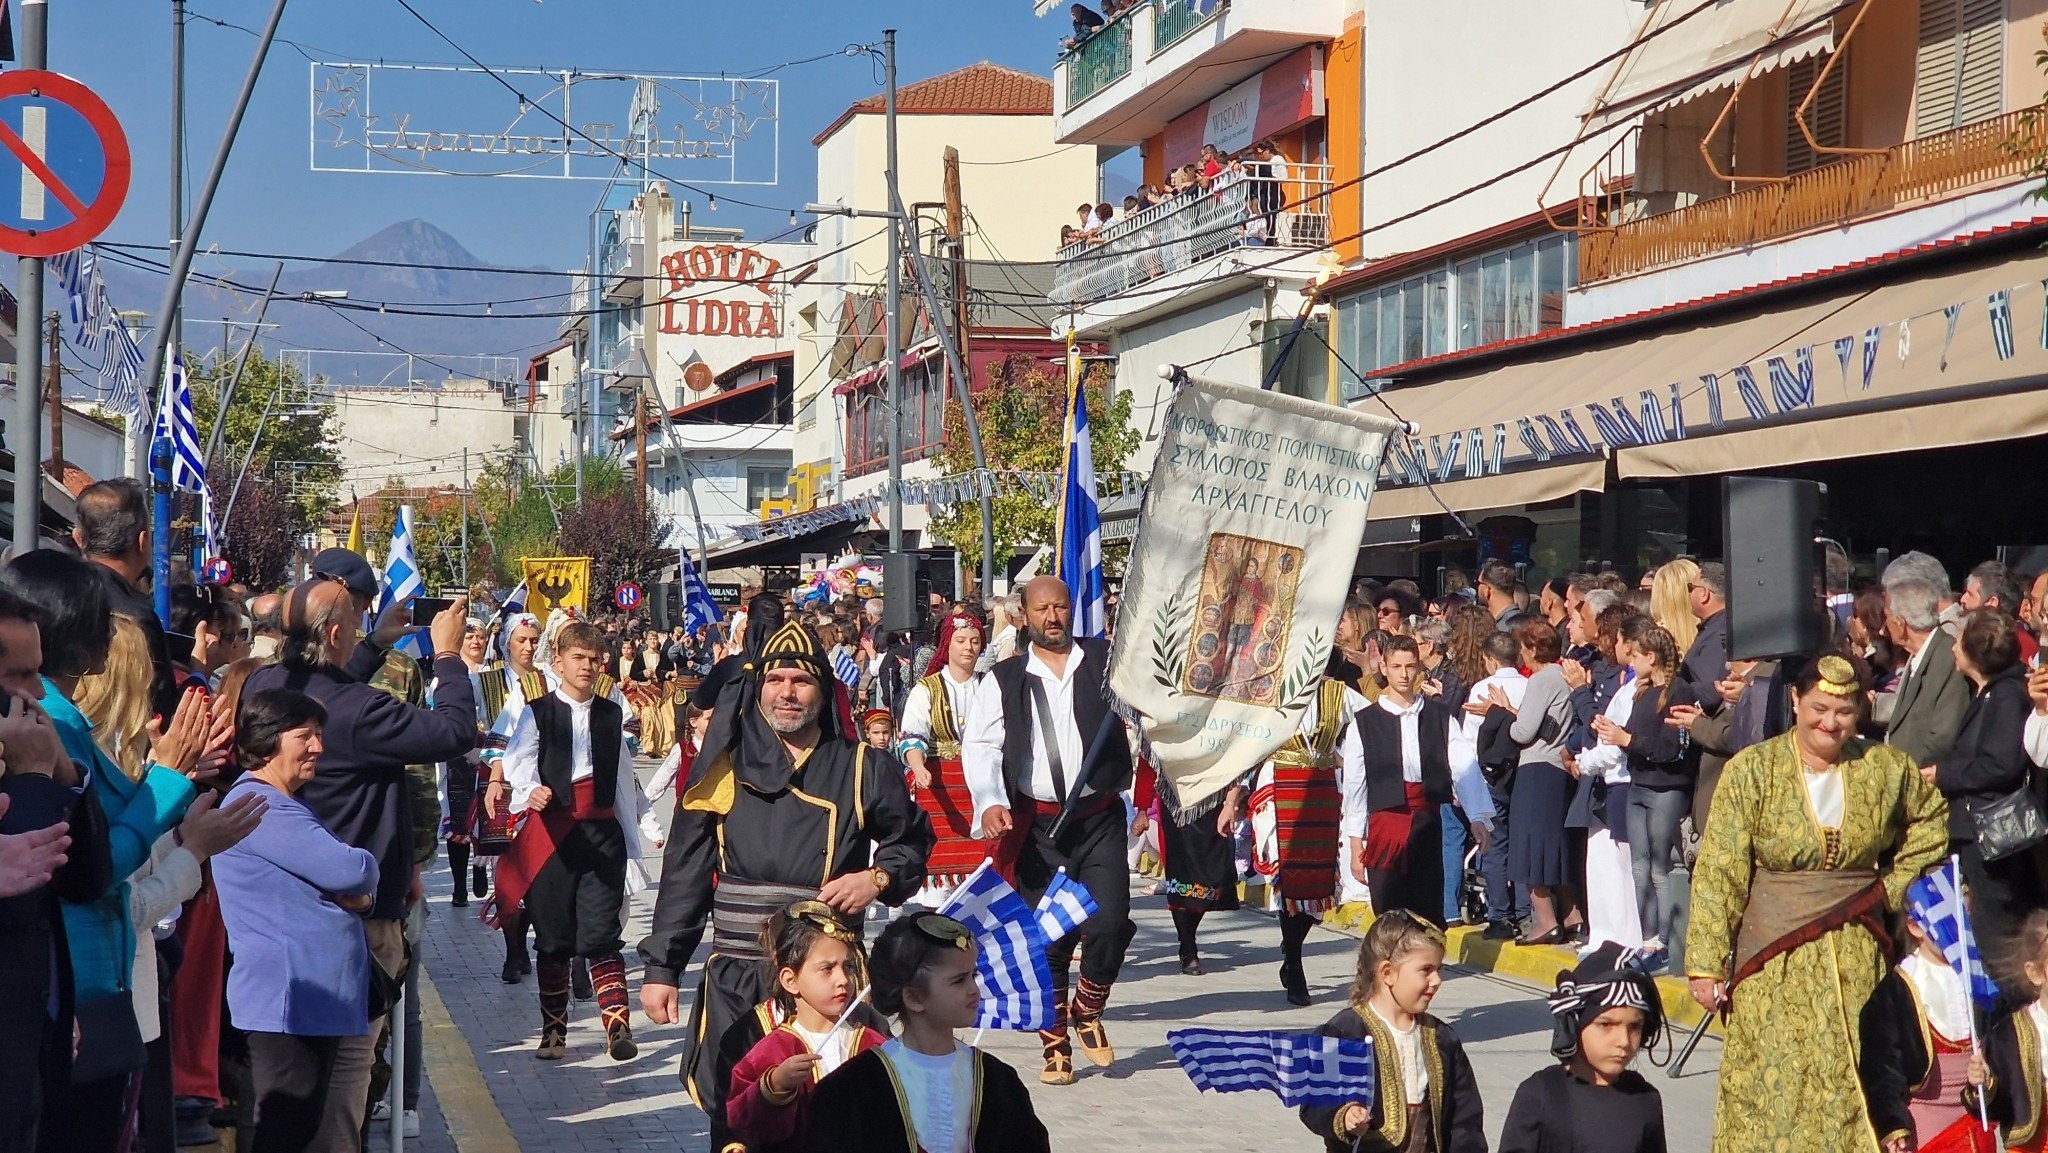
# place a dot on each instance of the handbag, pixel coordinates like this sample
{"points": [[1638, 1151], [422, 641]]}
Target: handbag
{"points": [[109, 1040], [493, 833], [2009, 824]]}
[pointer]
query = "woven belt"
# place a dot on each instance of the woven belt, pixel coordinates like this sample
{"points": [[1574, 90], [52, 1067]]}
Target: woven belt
{"points": [[740, 908], [948, 750]]}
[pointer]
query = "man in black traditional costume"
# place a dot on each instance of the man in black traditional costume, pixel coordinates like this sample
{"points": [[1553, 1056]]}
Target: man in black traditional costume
{"points": [[779, 807]]}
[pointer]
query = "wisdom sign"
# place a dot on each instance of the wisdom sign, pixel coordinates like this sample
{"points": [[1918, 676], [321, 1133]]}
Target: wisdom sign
{"points": [[561, 125]]}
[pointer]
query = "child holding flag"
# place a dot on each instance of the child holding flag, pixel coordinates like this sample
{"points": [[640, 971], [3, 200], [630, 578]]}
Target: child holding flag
{"points": [[818, 974], [946, 1096], [1920, 1047], [2012, 1045], [1428, 1098]]}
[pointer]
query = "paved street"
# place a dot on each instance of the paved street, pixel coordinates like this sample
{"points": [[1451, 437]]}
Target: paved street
{"points": [[485, 1086]]}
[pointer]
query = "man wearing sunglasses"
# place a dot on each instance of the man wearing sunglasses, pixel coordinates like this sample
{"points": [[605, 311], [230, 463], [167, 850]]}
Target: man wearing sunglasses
{"points": [[1041, 741], [780, 806]]}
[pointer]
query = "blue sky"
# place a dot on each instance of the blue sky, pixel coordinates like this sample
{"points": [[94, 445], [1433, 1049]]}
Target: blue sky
{"points": [[270, 201]]}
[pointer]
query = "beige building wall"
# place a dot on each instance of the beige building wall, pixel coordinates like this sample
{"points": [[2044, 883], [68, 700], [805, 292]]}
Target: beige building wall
{"points": [[416, 437]]}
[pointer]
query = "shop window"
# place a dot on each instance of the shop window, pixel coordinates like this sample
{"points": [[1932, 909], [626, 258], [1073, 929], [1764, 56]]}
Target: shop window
{"points": [[766, 483]]}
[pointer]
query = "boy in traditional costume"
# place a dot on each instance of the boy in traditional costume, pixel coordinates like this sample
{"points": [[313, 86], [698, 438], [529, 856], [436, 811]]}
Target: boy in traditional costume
{"points": [[577, 852]]}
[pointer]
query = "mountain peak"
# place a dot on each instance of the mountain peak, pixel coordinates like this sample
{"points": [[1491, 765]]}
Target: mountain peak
{"points": [[416, 242]]}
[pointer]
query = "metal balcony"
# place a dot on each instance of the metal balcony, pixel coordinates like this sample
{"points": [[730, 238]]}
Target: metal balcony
{"points": [[1099, 61]]}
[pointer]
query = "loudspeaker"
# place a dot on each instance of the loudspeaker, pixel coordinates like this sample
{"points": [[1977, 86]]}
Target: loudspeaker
{"points": [[900, 603], [1769, 526], [667, 606]]}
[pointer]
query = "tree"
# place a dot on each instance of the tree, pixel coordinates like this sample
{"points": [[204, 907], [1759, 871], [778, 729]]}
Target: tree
{"points": [[515, 504], [298, 449], [1023, 409], [624, 540], [263, 531]]}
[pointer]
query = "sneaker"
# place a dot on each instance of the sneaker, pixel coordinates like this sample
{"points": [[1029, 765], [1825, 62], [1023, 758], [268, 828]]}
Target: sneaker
{"points": [[380, 1115], [1653, 961], [380, 1109], [411, 1124]]}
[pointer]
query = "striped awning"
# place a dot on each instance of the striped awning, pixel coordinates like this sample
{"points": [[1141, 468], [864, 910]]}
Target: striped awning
{"points": [[1688, 48]]}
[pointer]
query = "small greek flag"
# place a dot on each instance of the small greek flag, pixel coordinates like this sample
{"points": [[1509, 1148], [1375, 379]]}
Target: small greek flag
{"points": [[1015, 978], [174, 422], [845, 668], [1065, 904], [1935, 902], [698, 607], [402, 581], [1299, 1068]]}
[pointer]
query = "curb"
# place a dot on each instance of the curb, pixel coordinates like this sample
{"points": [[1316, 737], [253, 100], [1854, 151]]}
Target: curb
{"points": [[1537, 965]]}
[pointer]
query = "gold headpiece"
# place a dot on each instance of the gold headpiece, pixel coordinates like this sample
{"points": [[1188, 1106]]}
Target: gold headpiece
{"points": [[825, 919], [1837, 676]]}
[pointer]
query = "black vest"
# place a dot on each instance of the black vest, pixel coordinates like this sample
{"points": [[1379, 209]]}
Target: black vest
{"points": [[551, 717], [1379, 734], [1091, 705]]}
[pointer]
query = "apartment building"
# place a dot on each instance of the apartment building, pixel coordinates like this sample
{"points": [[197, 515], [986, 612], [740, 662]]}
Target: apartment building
{"points": [[1786, 237]]}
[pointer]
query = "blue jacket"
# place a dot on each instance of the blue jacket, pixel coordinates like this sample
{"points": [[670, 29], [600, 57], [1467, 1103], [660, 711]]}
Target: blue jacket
{"points": [[302, 964], [102, 942]]}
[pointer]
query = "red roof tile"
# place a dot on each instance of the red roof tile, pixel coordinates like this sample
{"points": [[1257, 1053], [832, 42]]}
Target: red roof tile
{"points": [[982, 89]]}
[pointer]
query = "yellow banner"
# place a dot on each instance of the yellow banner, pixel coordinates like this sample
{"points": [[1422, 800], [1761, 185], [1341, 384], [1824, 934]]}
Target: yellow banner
{"points": [[557, 582]]}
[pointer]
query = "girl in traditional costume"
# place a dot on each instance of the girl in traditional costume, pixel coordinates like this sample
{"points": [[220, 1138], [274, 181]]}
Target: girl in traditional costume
{"points": [[1815, 837], [1197, 850], [1919, 1060], [1297, 813], [2016, 1047], [818, 974], [1427, 1099], [924, 1091], [1607, 1011], [934, 716]]}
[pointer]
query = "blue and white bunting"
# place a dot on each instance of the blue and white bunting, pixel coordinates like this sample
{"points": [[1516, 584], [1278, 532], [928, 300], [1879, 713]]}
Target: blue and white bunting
{"points": [[1299, 1068]]}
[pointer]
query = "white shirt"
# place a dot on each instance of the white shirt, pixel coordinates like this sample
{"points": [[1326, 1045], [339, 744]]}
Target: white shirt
{"points": [[830, 1056], [522, 774], [1468, 780], [939, 1093], [981, 745], [2034, 738], [1408, 1051], [1610, 760], [1942, 996], [917, 705], [1824, 791], [1352, 747]]}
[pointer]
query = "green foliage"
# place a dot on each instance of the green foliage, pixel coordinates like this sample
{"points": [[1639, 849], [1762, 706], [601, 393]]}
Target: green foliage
{"points": [[298, 451], [1022, 409]]}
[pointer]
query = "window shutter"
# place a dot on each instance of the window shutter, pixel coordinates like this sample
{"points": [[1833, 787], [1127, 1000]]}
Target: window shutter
{"points": [[1827, 116], [1959, 71]]}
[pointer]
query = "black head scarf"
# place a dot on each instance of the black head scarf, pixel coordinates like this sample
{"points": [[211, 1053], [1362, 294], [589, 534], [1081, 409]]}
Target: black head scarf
{"points": [[740, 731], [1606, 979]]}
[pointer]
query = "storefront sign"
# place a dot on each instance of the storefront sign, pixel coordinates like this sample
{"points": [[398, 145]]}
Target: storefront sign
{"points": [[1278, 100], [694, 306], [1233, 118]]}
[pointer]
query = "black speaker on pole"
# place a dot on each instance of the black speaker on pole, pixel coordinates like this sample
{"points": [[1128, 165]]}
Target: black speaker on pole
{"points": [[1770, 527]]}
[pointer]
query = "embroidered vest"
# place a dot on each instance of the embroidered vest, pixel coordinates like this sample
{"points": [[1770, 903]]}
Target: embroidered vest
{"points": [[945, 726], [1379, 735], [1319, 748], [551, 715]]}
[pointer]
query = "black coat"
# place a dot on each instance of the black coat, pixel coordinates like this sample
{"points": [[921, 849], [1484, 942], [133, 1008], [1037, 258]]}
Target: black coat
{"points": [[1894, 1060], [132, 602], [1452, 1107], [1659, 755], [2012, 1048], [856, 1110], [1988, 759]]}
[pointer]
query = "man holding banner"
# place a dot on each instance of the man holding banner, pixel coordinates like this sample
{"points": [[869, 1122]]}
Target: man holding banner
{"points": [[1046, 761]]}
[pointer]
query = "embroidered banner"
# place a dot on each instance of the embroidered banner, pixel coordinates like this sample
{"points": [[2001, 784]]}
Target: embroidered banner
{"points": [[1251, 525]]}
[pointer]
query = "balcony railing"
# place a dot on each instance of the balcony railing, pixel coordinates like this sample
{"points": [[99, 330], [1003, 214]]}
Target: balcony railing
{"points": [[1099, 61], [1173, 19], [1918, 171], [1236, 211]]}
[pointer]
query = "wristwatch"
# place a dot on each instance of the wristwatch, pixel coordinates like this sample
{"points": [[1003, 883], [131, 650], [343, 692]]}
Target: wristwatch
{"points": [[881, 878]]}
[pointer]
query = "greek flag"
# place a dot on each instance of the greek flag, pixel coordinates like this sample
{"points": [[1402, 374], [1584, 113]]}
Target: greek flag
{"points": [[120, 367], [845, 668], [174, 422], [1299, 1068], [1935, 903], [402, 580], [1080, 558], [698, 607], [1065, 904], [1015, 978], [75, 279]]}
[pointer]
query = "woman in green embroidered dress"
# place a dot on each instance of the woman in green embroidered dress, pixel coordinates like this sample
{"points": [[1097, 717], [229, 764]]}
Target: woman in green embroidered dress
{"points": [[1815, 836]]}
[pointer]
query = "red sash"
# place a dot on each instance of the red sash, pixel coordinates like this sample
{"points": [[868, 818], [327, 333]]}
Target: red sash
{"points": [[533, 842], [1386, 832]]}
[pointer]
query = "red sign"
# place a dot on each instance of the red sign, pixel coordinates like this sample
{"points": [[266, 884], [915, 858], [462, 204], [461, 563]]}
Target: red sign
{"points": [[691, 309], [62, 144], [628, 597]]}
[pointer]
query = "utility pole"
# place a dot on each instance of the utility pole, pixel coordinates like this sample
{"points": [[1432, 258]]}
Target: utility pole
{"points": [[177, 316], [465, 517], [23, 435], [55, 386], [899, 580], [956, 251], [640, 443]]}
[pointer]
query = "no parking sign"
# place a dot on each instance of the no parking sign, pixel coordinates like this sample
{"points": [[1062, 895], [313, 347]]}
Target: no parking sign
{"points": [[628, 597], [64, 164]]}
